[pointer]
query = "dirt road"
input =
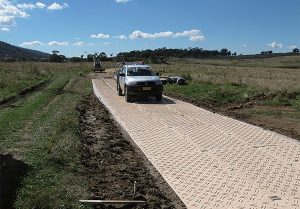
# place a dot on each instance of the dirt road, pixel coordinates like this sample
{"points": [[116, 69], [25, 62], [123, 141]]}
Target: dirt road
{"points": [[209, 160]]}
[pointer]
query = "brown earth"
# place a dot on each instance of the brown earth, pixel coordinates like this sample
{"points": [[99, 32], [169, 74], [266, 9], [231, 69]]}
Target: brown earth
{"points": [[113, 163]]}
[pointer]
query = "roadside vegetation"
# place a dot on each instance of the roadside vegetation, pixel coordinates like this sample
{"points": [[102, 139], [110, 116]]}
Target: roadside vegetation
{"points": [[41, 130]]}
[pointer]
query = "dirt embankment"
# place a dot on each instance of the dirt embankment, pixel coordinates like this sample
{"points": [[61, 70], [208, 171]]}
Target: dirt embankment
{"points": [[113, 163]]}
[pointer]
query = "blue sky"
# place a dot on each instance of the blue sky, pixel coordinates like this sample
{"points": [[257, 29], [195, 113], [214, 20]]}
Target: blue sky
{"points": [[76, 27]]}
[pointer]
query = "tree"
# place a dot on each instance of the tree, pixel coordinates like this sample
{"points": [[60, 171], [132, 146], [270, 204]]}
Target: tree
{"points": [[55, 52], [296, 50], [90, 58], [55, 57], [225, 52], [102, 55], [75, 59]]}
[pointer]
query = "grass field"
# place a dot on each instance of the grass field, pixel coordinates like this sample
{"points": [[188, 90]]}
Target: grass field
{"points": [[41, 129], [269, 75], [39, 124]]}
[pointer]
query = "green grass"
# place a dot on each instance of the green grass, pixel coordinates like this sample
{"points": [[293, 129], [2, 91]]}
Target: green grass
{"points": [[42, 129], [218, 94]]}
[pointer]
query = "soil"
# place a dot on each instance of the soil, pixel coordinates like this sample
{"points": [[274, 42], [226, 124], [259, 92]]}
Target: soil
{"points": [[113, 163]]}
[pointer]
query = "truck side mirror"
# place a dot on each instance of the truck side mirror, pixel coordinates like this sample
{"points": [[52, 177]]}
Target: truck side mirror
{"points": [[122, 74], [157, 74]]}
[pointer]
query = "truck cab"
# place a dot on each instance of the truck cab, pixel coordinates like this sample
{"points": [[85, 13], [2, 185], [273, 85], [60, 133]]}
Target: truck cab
{"points": [[138, 80]]}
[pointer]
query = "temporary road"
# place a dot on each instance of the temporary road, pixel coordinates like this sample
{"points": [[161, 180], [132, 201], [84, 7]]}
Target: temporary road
{"points": [[209, 160]]}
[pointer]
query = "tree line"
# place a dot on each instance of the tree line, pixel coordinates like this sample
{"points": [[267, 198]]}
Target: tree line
{"points": [[178, 53], [155, 56]]}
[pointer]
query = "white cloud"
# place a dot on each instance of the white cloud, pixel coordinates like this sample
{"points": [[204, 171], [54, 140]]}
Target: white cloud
{"points": [[244, 45], [141, 35], [79, 43], [40, 5], [188, 33], [100, 36], [197, 38], [32, 43], [5, 29], [9, 12], [162, 34], [122, 1], [193, 35], [37, 5], [122, 37], [26, 6], [138, 35], [275, 45], [56, 43], [7, 20], [56, 6], [292, 47]]}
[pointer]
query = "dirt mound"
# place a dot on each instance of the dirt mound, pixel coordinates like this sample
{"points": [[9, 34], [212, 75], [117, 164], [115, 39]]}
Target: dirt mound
{"points": [[113, 164]]}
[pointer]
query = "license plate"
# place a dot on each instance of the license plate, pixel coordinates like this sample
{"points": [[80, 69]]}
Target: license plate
{"points": [[146, 88]]}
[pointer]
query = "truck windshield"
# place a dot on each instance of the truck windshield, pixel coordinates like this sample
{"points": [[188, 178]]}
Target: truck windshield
{"points": [[139, 71]]}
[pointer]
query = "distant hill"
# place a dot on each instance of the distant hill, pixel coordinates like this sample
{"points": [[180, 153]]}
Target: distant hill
{"points": [[15, 52]]}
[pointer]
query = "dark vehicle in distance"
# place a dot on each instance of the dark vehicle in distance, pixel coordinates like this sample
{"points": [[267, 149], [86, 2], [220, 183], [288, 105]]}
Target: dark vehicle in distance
{"points": [[98, 66]]}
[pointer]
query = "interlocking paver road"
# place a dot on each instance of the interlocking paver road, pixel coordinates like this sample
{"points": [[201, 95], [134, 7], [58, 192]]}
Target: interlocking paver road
{"points": [[209, 160]]}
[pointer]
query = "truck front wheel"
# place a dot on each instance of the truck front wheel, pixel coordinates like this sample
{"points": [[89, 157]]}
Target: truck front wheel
{"points": [[127, 96], [120, 93]]}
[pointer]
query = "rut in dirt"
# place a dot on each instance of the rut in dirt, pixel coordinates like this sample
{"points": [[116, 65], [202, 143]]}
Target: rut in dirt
{"points": [[113, 164]]}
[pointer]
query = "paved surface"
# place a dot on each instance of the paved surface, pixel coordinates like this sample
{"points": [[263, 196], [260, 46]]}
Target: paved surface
{"points": [[209, 160]]}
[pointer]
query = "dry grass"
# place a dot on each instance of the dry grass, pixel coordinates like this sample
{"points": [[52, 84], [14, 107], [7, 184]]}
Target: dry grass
{"points": [[273, 74], [14, 77]]}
